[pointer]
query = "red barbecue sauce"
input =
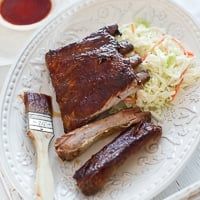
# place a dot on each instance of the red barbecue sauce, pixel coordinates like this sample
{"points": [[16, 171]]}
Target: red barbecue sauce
{"points": [[24, 12]]}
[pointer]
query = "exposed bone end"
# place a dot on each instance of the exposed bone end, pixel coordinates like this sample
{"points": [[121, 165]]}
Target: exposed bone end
{"points": [[142, 77], [113, 30], [135, 60], [125, 47]]}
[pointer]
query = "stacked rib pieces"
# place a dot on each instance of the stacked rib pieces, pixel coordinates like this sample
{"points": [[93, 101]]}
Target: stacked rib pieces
{"points": [[90, 77]]}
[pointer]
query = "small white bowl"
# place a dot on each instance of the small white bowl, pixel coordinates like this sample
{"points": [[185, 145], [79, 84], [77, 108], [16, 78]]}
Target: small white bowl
{"points": [[9, 25]]}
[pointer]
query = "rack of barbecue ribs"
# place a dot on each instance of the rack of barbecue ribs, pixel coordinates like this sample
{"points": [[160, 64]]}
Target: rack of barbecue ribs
{"points": [[92, 75], [92, 176]]}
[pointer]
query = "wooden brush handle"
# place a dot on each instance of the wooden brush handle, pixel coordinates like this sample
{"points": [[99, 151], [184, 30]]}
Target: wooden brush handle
{"points": [[190, 192], [44, 184]]}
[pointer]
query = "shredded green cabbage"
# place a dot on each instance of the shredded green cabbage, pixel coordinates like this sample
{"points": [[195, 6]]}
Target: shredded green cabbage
{"points": [[143, 22], [168, 63]]}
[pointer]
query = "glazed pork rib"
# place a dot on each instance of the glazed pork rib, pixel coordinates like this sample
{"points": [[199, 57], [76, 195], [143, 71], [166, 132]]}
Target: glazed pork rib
{"points": [[92, 75], [70, 145], [92, 176]]}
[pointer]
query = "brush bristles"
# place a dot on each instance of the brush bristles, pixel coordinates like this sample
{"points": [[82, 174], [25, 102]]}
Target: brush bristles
{"points": [[38, 103]]}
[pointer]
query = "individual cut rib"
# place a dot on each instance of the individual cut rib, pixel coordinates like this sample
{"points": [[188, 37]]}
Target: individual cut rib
{"points": [[72, 144], [92, 176], [92, 75]]}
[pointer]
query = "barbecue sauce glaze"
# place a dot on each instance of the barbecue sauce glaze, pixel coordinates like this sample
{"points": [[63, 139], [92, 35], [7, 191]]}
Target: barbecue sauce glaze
{"points": [[24, 12]]}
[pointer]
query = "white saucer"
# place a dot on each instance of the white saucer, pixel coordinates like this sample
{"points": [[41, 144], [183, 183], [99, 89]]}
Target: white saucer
{"points": [[9, 25]]}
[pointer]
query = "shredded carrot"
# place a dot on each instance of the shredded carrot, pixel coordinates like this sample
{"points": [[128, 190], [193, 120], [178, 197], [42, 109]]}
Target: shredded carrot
{"points": [[189, 54], [179, 44], [133, 28], [157, 44], [144, 57], [177, 88]]}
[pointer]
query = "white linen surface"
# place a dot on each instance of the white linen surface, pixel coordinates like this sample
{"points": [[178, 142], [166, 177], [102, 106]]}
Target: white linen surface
{"points": [[12, 41]]}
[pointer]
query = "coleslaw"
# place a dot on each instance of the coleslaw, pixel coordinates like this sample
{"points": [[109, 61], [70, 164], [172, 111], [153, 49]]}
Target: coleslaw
{"points": [[170, 65]]}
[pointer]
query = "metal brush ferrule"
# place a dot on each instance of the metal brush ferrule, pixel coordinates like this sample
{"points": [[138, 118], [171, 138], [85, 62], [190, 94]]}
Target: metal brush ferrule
{"points": [[40, 122]]}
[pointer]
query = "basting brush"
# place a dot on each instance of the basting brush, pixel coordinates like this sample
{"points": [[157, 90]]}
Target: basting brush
{"points": [[40, 129]]}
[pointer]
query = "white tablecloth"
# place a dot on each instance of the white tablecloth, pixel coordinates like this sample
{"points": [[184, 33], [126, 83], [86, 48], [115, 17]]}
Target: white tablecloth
{"points": [[8, 52]]}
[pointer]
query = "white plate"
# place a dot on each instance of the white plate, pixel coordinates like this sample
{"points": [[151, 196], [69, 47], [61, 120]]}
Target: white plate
{"points": [[146, 173]]}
